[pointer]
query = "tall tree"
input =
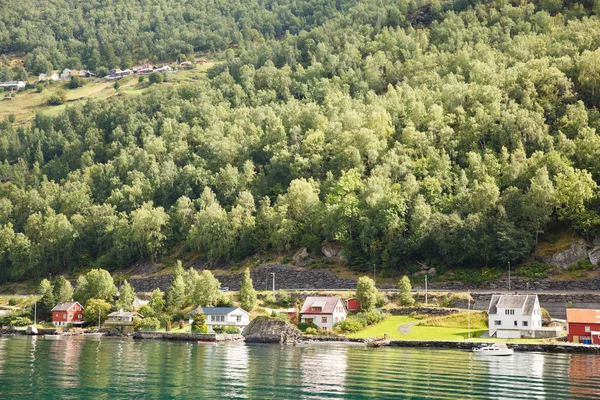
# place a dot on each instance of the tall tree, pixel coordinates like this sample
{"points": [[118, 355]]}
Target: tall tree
{"points": [[366, 293], [63, 290], [126, 297], [405, 297], [247, 292]]}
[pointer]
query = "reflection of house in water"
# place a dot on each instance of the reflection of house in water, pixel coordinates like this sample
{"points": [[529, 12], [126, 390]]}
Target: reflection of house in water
{"points": [[67, 350], [584, 374], [524, 372], [2, 353], [324, 372], [235, 367]]}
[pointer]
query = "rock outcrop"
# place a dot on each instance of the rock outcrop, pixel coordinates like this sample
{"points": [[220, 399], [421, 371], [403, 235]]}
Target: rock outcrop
{"points": [[577, 251], [270, 330]]}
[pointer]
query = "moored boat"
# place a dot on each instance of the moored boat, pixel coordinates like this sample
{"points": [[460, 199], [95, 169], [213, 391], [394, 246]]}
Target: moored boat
{"points": [[495, 349]]}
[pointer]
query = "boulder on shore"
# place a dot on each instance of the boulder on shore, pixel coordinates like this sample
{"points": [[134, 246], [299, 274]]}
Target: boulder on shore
{"points": [[270, 330], [32, 330]]}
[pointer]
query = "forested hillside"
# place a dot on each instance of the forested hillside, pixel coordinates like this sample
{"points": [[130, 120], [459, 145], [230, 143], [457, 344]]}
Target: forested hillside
{"points": [[451, 134]]}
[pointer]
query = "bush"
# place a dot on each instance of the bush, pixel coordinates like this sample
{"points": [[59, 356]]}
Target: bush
{"points": [[219, 329], [535, 270], [102, 72], [13, 301], [155, 77], [150, 324], [311, 331], [58, 98], [39, 88], [581, 265], [270, 300], [117, 85], [75, 82], [21, 321], [232, 330], [350, 324], [303, 326], [141, 78]]}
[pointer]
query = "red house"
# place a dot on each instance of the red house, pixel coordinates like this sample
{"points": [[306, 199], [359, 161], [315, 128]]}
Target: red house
{"points": [[352, 304], [68, 313], [583, 326]]}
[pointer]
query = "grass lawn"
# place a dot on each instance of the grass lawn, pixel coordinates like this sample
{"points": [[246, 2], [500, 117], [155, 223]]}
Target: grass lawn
{"points": [[391, 324]]}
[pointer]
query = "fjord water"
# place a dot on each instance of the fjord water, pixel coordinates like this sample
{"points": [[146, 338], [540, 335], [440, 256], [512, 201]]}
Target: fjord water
{"points": [[83, 368]]}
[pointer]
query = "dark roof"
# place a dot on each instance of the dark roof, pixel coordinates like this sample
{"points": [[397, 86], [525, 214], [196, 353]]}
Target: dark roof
{"points": [[326, 303], [65, 306], [526, 302], [220, 310]]}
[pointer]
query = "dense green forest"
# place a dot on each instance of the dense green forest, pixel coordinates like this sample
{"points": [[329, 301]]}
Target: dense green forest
{"points": [[452, 134]]}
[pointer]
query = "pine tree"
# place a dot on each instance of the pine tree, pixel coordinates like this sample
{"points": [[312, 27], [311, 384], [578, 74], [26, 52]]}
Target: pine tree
{"points": [[247, 292], [47, 301], [199, 324]]}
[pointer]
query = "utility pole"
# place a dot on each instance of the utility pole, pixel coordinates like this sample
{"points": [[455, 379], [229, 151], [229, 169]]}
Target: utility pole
{"points": [[425, 289], [273, 273], [509, 275], [35, 310], [469, 311], [374, 281]]}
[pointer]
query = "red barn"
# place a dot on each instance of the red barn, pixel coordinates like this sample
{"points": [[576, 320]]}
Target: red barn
{"points": [[353, 304], [68, 313], [583, 326]]}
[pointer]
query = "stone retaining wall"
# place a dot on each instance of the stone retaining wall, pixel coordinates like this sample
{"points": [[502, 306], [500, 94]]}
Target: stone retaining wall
{"points": [[546, 348], [188, 337]]}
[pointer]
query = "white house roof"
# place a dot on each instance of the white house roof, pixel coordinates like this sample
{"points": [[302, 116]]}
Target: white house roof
{"points": [[526, 302], [327, 304]]}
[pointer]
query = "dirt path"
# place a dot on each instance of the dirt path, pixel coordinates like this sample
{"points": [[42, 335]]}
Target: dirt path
{"points": [[405, 329]]}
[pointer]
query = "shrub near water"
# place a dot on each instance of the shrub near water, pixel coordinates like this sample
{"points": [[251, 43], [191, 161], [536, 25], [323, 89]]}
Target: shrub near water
{"points": [[360, 321]]}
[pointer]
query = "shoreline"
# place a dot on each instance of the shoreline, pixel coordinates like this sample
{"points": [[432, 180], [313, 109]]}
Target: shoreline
{"points": [[565, 348]]}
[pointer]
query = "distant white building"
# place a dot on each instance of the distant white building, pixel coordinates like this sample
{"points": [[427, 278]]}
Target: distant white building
{"points": [[223, 316], [324, 312], [65, 74], [514, 316], [16, 84], [164, 68], [48, 77]]}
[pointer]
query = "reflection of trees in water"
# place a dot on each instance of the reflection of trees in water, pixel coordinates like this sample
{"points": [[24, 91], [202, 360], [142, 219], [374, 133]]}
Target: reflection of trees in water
{"points": [[324, 370], [584, 373], [3, 353]]}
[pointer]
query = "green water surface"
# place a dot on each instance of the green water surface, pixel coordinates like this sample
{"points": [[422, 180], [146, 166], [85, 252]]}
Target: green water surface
{"points": [[105, 368]]}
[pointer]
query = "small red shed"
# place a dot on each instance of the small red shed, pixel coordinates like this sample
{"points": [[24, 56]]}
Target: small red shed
{"points": [[583, 326], [68, 313], [352, 304]]}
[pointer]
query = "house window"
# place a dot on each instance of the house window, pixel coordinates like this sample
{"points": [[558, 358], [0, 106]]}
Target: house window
{"points": [[323, 320], [70, 316], [516, 323], [65, 316], [525, 323], [587, 328], [497, 322], [213, 318], [509, 312], [238, 318], [316, 308], [79, 316]]}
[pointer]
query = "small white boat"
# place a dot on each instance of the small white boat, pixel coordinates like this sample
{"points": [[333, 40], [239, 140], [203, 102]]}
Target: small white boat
{"points": [[496, 349]]}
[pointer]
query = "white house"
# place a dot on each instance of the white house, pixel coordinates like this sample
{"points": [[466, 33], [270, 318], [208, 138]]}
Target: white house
{"points": [[223, 316], [48, 77], [65, 74], [324, 312], [514, 316]]}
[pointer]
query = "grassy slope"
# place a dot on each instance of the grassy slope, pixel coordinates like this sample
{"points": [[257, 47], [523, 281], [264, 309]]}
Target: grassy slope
{"points": [[28, 102], [418, 332]]}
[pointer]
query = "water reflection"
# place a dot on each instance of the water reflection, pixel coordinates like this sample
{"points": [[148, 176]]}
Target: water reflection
{"points": [[584, 372], [235, 363], [324, 370], [523, 371]]}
